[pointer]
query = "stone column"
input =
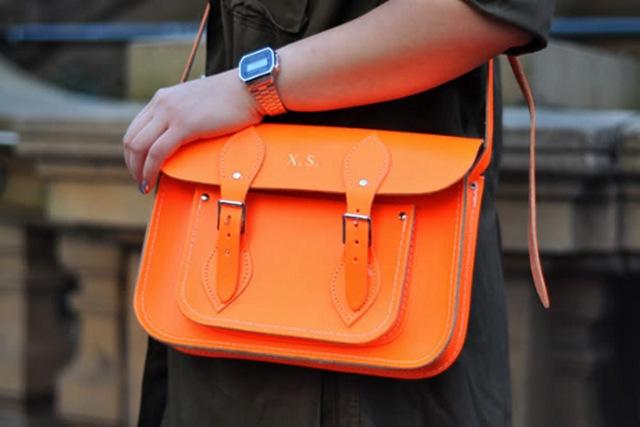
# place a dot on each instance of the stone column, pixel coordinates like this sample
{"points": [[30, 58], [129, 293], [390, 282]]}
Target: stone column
{"points": [[13, 335], [557, 354], [33, 343], [92, 387], [75, 145], [136, 344], [529, 353], [582, 345]]}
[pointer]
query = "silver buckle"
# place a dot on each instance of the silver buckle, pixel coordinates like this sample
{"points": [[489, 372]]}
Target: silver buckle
{"points": [[235, 204], [355, 217]]}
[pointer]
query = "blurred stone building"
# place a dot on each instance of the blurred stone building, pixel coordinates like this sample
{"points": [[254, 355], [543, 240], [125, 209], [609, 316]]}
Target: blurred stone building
{"points": [[72, 221]]}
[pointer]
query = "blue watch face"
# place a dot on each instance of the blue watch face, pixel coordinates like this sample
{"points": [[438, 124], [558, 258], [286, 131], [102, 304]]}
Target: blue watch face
{"points": [[257, 64]]}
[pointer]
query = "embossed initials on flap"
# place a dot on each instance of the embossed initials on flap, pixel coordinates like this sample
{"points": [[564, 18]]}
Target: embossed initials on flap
{"points": [[302, 160]]}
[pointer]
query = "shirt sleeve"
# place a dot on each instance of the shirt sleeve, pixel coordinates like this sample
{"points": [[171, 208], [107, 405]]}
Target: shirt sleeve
{"points": [[533, 16]]}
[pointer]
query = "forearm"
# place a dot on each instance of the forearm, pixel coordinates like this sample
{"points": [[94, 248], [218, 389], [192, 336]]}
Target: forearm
{"points": [[400, 48]]}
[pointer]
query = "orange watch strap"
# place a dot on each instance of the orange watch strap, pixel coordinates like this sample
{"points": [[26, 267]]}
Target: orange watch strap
{"points": [[240, 160], [364, 169]]}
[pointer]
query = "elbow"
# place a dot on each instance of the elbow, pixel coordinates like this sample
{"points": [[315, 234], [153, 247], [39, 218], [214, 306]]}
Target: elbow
{"points": [[506, 35], [517, 37]]}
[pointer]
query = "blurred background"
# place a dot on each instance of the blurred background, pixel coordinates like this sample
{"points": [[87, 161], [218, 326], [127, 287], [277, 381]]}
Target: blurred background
{"points": [[74, 73]]}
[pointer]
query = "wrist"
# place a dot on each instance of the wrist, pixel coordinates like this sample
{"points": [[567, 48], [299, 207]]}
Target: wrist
{"points": [[242, 94], [258, 70]]}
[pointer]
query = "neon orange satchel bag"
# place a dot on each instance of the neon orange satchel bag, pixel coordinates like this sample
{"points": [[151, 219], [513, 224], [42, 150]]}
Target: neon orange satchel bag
{"points": [[335, 248]]}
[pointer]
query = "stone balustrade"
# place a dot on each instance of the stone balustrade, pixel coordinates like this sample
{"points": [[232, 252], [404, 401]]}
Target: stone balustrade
{"points": [[589, 214], [68, 158], [86, 222]]}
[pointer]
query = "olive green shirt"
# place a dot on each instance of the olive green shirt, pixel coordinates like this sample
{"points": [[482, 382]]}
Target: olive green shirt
{"points": [[185, 390]]}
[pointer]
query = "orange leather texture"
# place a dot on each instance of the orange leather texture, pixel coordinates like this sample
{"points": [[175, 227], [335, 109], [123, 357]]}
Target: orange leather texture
{"points": [[291, 301], [383, 290]]}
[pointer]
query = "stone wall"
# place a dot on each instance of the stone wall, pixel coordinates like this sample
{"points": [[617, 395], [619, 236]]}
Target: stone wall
{"points": [[563, 75], [30, 11], [597, 8], [90, 67]]}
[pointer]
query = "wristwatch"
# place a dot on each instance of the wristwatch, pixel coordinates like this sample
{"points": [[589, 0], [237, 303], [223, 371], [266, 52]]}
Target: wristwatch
{"points": [[258, 70]]}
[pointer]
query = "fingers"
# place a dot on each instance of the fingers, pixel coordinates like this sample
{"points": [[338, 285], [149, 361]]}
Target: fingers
{"points": [[159, 151], [138, 148], [138, 123], [148, 141], [203, 108]]}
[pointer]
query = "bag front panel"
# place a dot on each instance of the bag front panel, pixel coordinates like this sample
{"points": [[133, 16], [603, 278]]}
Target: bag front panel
{"points": [[292, 250]]}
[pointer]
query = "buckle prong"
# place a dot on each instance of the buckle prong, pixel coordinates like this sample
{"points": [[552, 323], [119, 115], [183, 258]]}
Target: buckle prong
{"points": [[356, 217], [235, 204]]}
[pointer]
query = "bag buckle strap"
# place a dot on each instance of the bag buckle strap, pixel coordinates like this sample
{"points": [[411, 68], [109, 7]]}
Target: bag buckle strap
{"points": [[365, 167], [241, 158]]}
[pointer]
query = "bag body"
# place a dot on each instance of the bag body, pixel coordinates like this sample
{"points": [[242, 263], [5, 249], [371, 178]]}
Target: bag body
{"points": [[335, 248]]}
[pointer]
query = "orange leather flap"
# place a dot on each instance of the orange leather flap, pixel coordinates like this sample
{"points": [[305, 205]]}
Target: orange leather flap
{"points": [[310, 158]]}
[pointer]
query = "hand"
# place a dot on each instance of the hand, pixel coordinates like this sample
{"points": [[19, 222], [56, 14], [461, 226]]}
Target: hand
{"points": [[176, 115]]}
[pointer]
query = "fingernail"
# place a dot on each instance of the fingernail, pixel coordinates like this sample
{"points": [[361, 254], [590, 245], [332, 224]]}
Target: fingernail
{"points": [[143, 187]]}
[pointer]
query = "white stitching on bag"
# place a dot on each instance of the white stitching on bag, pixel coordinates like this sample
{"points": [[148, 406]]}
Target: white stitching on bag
{"points": [[196, 313], [253, 348]]}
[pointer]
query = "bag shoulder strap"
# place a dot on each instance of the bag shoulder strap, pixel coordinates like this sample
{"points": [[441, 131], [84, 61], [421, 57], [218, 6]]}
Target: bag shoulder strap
{"points": [[196, 44], [534, 252], [483, 162]]}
